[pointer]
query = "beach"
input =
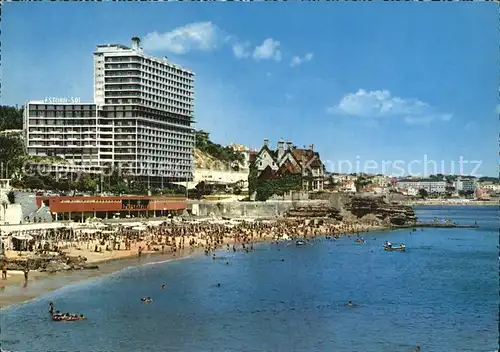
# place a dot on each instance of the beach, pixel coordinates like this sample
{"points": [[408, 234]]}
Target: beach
{"points": [[213, 234]]}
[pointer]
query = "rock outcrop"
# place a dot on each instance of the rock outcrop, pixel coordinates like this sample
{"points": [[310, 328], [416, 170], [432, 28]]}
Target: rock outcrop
{"points": [[315, 211], [51, 263], [387, 213], [372, 210]]}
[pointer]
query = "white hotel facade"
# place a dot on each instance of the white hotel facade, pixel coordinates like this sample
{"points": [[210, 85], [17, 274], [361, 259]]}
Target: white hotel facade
{"points": [[140, 121]]}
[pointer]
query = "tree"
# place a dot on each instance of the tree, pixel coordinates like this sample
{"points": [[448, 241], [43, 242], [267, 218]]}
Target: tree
{"points": [[423, 193], [223, 153], [361, 182], [86, 183], [11, 118], [12, 155]]}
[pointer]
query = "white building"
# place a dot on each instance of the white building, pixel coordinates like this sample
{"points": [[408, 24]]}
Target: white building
{"points": [[381, 180], [348, 187], [489, 186], [140, 121], [412, 192], [465, 184], [431, 186]]}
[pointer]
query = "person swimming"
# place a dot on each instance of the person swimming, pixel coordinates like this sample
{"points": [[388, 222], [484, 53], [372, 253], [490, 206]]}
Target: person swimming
{"points": [[163, 287], [350, 304], [218, 285]]}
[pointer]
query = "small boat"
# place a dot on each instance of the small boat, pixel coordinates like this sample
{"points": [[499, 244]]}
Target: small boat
{"points": [[300, 243], [67, 317], [401, 248], [146, 299]]}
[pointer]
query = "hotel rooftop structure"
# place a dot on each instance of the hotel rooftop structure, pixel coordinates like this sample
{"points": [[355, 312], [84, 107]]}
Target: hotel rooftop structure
{"points": [[140, 120]]}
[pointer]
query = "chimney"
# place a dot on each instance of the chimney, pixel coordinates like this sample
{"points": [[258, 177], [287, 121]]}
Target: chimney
{"points": [[281, 148], [289, 145], [135, 43], [312, 147], [266, 142]]}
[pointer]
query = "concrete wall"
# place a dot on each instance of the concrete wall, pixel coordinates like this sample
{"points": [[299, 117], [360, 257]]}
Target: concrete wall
{"points": [[250, 209]]}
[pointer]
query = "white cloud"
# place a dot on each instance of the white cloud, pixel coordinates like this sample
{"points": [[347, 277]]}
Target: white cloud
{"points": [[297, 60], [240, 50], [269, 50], [204, 36], [381, 103]]}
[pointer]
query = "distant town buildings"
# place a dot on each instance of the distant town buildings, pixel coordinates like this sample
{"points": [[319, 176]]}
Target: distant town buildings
{"points": [[140, 121], [489, 186], [348, 186], [431, 186], [287, 159]]}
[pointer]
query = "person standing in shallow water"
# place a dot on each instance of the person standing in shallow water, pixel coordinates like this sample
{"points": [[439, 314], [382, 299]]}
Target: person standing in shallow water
{"points": [[26, 271], [140, 251], [4, 271]]}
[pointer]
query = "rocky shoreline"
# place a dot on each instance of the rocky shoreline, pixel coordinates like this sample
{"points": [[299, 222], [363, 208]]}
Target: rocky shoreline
{"points": [[50, 263], [373, 210]]}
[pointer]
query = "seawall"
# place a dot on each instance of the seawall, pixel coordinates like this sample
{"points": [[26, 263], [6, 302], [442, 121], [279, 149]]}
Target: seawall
{"points": [[269, 208]]}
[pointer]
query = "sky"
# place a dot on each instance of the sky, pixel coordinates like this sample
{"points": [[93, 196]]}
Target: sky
{"points": [[370, 85]]}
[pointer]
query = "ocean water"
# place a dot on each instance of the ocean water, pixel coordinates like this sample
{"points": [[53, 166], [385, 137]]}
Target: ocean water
{"points": [[442, 294]]}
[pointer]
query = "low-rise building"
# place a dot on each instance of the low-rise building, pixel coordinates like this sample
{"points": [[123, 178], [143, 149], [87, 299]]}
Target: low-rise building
{"points": [[290, 160], [431, 186], [381, 180], [489, 186], [412, 192], [348, 187], [221, 177]]}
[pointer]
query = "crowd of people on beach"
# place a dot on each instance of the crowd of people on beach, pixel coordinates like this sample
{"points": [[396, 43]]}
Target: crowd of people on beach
{"points": [[212, 235], [176, 236]]}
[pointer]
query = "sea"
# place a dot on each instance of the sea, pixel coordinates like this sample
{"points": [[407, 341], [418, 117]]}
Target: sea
{"points": [[441, 294]]}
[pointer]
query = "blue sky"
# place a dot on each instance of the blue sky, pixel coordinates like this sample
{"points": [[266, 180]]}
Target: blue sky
{"points": [[361, 81]]}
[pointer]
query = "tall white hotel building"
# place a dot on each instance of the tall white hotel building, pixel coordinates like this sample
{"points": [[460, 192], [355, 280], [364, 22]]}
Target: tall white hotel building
{"points": [[140, 120]]}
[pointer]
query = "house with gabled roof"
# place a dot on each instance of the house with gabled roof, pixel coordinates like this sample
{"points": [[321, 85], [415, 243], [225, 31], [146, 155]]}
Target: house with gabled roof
{"points": [[286, 160]]}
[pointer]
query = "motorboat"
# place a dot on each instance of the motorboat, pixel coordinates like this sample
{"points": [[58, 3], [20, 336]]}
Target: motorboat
{"points": [[300, 243], [400, 248]]}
